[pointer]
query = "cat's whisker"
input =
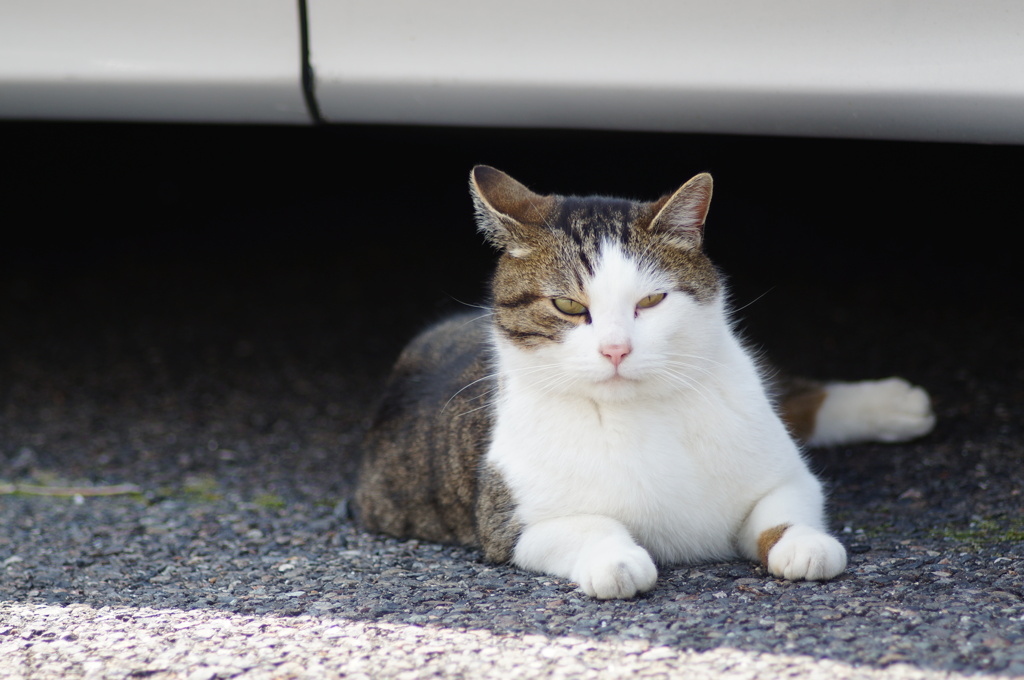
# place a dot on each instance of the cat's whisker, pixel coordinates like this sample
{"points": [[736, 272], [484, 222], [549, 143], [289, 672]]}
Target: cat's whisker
{"points": [[463, 389], [697, 362], [698, 357], [529, 369], [488, 315], [549, 379], [689, 369], [688, 387], [551, 382], [678, 379], [544, 368], [488, 377], [477, 305], [752, 302], [474, 410], [525, 372]]}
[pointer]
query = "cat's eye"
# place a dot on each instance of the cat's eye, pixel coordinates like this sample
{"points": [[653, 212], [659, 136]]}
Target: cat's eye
{"points": [[650, 300], [570, 307]]}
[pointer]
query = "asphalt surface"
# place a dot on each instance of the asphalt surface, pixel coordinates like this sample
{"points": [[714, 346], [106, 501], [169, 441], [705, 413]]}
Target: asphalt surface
{"points": [[196, 321]]}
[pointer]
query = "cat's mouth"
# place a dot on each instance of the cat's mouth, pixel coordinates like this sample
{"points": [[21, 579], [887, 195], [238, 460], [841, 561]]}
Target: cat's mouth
{"points": [[615, 388], [616, 378]]}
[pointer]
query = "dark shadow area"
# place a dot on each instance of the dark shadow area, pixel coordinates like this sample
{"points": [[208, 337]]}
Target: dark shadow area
{"points": [[207, 312]]}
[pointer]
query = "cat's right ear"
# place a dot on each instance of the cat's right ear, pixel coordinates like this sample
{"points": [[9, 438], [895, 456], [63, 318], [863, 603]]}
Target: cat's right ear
{"points": [[507, 213], [680, 217]]}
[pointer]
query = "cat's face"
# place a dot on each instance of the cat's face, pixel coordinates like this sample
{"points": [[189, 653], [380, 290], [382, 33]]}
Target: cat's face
{"points": [[604, 297]]}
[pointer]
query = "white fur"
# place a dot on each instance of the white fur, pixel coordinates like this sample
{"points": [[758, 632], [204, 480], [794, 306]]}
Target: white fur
{"points": [[677, 456], [890, 410]]}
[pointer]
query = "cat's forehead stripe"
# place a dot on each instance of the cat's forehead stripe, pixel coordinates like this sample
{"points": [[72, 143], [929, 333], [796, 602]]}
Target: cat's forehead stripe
{"points": [[586, 264], [587, 221]]}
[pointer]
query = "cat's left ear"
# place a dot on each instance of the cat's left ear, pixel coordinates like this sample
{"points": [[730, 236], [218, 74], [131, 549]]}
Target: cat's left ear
{"points": [[506, 211], [680, 217]]}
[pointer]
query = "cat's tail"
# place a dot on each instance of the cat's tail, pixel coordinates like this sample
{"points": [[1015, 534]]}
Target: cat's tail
{"points": [[830, 413]]}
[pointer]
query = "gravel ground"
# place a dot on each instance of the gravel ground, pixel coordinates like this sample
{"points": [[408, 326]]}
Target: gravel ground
{"points": [[228, 389]]}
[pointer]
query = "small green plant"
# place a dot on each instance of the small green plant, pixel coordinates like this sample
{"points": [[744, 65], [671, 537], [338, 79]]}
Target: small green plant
{"points": [[270, 501], [201, 488], [981, 533]]}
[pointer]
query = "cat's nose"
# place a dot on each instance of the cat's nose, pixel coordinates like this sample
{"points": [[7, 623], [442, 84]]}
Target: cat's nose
{"points": [[616, 353]]}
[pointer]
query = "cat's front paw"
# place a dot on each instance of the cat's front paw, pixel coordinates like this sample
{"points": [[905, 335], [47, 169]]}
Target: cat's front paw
{"points": [[805, 553], [613, 569], [890, 410]]}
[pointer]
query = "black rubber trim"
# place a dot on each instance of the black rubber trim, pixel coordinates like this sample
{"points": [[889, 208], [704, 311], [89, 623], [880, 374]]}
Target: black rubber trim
{"points": [[308, 78]]}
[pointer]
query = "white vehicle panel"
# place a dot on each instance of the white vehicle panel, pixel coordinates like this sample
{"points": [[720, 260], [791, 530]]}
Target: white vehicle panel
{"points": [[904, 69], [228, 60], [894, 69]]}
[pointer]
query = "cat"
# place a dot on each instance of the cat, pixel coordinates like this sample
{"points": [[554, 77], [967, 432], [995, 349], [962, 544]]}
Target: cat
{"points": [[602, 417]]}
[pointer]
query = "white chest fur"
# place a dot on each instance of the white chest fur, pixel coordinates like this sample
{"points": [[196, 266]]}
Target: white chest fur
{"points": [[681, 471]]}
